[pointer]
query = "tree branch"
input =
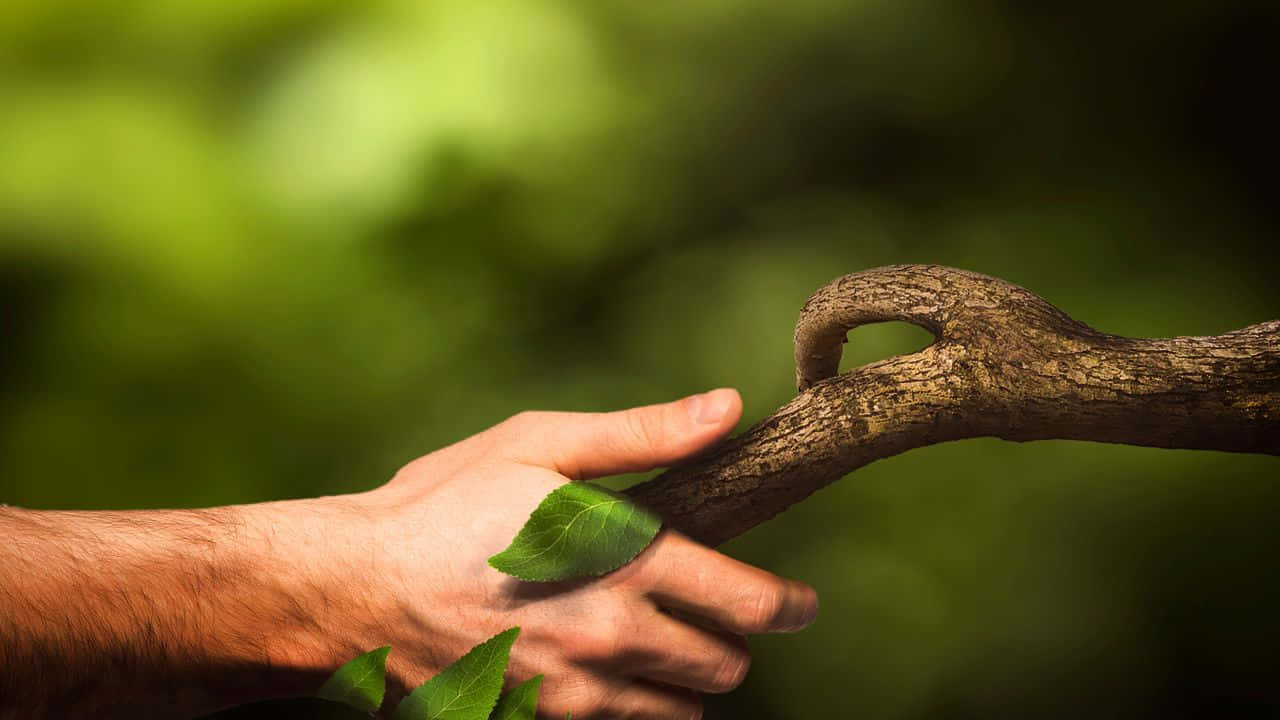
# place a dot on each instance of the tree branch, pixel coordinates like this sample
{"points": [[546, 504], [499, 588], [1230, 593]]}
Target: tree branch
{"points": [[1005, 363]]}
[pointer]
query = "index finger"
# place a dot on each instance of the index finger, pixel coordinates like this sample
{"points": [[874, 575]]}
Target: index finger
{"points": [[735, 596]]}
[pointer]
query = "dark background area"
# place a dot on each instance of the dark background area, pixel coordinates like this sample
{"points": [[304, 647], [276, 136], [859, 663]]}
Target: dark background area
{"points": [[277, 249]]}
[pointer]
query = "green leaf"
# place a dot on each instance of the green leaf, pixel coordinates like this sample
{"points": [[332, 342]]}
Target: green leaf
{"points": [[360, 683], [467, 689], [578, 530], [520, 702]]}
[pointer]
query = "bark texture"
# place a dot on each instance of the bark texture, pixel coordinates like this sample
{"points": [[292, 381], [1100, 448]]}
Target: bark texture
{"points": [[1005, 363]]}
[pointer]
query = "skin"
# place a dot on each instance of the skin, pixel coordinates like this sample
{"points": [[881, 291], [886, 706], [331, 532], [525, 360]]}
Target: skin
{"points": [[177, 613]]}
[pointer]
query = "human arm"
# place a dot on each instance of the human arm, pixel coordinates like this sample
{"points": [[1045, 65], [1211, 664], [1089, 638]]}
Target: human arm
{"points": [[181, 612], [159, 613]]}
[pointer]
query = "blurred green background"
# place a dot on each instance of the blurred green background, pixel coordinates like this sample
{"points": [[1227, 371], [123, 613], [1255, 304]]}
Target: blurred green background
{"points": [[270, 249]]}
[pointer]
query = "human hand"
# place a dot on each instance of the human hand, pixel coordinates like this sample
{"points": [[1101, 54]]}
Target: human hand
{"points": [[639, 642]]}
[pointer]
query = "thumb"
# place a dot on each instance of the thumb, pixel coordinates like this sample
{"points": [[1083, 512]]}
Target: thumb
{"points": [[588, 445]]}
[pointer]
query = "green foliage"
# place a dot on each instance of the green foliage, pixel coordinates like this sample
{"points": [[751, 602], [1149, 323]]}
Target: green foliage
{"points": [[278, 248], [520, 702], [467, 689], [578, 530], [361, 683]]}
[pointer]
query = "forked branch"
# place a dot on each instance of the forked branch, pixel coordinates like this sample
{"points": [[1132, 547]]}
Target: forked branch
{"points": [[1005, 363]]}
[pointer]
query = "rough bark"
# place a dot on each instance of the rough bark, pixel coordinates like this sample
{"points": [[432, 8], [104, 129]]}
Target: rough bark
{"points": [[1005, 363]]}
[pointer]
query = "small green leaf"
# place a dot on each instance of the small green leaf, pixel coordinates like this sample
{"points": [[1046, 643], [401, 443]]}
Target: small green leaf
{"points": [[360, 683], [467, 689], [578, 530], [520, 702]]}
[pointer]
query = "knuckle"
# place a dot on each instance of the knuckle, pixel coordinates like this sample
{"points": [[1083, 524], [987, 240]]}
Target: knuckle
{"points": [[513, 428], [523, 421], [730, 671], [526, 434], [583, 696], [680, 706], [645, 429], [594, 704], [764, 608], [599, 642]]}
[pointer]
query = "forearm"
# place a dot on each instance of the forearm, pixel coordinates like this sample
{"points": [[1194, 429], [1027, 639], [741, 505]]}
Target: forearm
{"points": [[158, 613]]}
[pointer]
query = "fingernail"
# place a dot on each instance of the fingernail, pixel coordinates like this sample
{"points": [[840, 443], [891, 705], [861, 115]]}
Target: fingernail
{"points": [[810, 614], [709, 407]]}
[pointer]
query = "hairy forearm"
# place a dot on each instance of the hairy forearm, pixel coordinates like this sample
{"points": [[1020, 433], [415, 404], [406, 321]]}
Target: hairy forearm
{"points": [[168, 613]]}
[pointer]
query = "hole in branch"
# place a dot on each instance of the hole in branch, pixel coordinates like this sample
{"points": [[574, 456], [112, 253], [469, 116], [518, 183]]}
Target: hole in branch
{"points": [[877, 341]]}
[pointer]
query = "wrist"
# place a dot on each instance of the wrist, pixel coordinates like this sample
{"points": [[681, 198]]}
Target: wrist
{"points": [[304, 601]]}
